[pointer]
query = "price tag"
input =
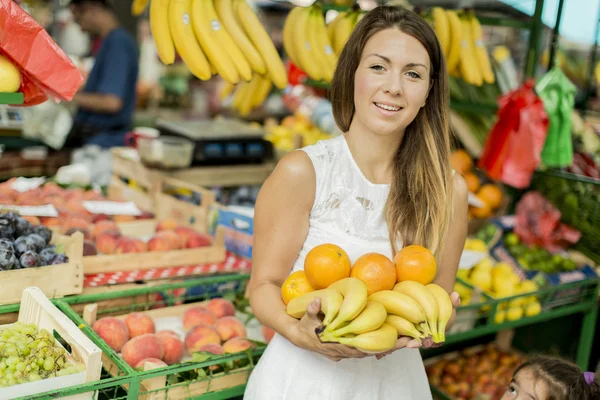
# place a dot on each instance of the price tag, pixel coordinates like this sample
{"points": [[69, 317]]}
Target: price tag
{"points": [[47, 210], [112, 208], [26, 184]]}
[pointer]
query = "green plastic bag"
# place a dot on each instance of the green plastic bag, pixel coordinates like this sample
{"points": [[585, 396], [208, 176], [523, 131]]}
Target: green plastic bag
{"points": [[558, 95]]}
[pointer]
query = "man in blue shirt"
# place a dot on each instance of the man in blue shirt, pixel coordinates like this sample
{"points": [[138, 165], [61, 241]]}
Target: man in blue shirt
{"points": [[107, 101]]}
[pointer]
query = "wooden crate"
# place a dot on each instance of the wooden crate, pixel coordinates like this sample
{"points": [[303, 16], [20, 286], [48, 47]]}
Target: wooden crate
{"points": [[37, 309], [106, 263], [178, 392], [54, 281], [119, 190]]}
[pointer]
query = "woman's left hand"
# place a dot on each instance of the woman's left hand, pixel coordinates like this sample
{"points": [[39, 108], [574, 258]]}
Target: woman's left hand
{"points": [[411, 343]]}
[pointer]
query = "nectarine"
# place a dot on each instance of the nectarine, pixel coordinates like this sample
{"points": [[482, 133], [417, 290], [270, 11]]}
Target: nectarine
{"points": [[173, 346], [196, 316], [230, 327], [113, 331], [167, 224], [141, 347], [221, 307], [199, 336], [237, 345], [139, 324]]}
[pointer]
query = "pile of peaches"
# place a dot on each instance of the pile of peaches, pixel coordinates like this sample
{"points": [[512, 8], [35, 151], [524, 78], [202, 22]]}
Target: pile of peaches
{"points": [[210, 327]]}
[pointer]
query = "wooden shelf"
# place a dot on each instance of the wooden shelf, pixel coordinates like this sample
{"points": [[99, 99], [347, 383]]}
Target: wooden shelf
{"points": [[11, 98]]}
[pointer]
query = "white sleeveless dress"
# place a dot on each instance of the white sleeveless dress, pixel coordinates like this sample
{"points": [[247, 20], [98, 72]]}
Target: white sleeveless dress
{"points": [[348, 211]]}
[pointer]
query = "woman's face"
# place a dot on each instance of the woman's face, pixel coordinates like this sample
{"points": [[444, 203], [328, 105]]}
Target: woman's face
{"points": [[391, 83], [524, 386]]}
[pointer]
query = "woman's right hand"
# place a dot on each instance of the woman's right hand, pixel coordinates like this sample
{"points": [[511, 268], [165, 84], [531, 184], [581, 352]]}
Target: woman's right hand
{"points": [[304, 335]]}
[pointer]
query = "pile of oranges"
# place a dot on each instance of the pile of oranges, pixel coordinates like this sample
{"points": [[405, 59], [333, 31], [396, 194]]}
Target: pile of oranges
{"points": [[328, 263], [489, 194]]}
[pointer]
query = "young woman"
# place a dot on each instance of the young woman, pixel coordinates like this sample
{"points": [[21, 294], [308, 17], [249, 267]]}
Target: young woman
{"points": [[549, 378], [384, 184]]}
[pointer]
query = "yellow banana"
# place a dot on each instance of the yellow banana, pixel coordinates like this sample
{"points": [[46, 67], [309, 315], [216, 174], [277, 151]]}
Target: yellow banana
{"points": [[302, 48], [289, 28], [138, 7], [455, 44], [419, 293], [226, 90], [260, 38], [239, 95], [371, 318], [209, 31], [331, 301], [159, 25], [319, 52], [373, 342], [401, 305], [248, 102], [442, 28], [264, 88], [324, 43], [468, 64], [331, 26], [355, 299], [185, 41], [226, 13], [481, 54], [445, 310], [343, 29], [403, 326]]}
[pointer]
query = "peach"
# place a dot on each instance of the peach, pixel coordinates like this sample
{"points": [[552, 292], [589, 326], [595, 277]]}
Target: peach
{"points": [[167, 224], [75, 222], [173, 346], [159, 244], [32, 220], [105, 226], [196, 240], [267, 333], [142, 347], [150, 363], [107, 243], [130, 245], [236, 345], [167, 331], [221, 307], [51, 188], [91, 195], [139, 324], [50, 221], [184, 233], [199, 336], [100, 217], [230, 327], [197, 316], [76, 206], [145, 215], [171, 237], [113, 331], [212, 348]]}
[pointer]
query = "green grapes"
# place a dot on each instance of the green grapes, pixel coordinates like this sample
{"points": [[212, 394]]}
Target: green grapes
{"points": [[29, 354]]}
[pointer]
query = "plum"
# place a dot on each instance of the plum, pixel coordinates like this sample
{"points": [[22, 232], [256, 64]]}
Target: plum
{"points": [[60, 259], [8, 260], [23, 227], [29, 259], [47, 255], [44, 232], [6, 244], [11, 216], [7, 229], [21, 245], [36, 241]]}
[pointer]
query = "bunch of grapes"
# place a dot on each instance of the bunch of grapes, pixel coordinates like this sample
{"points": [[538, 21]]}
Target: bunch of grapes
{"points": [[29, 354]]}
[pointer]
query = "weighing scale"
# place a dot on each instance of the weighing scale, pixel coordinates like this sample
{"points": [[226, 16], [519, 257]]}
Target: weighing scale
{"points": [[221, 141]]}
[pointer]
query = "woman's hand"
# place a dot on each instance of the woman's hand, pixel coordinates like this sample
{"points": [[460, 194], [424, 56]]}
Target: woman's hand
{"points": [[304, 335], [414, 343]]}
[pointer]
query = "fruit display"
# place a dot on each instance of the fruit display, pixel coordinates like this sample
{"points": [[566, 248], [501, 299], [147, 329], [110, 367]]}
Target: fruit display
{"points": [[31, 354], [23, 245], [371, 303], [283, 135], [476, 372], [209, 328], [220, 37], [534, 258]]}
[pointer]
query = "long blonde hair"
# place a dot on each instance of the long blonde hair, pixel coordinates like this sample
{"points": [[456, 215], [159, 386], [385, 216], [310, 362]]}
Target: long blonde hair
{"points": [[419, 206]]}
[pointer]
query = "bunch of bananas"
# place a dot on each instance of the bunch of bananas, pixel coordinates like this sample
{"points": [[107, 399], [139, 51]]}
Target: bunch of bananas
{"points": [[373, 323], [460, 38], [313, 46], [214, 37], [247, 95]]}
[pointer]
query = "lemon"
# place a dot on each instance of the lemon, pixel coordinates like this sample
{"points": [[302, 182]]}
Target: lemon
{"points": [[10, 76], [500, 317], [514, 313], [533, 309]]}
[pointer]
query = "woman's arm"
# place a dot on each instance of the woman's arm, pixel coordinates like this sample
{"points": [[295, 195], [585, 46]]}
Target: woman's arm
{"points": [[281, 221]]}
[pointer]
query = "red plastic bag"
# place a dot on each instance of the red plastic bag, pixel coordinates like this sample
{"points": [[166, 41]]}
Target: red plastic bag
{"points": [[513, 148], [47, 71]]}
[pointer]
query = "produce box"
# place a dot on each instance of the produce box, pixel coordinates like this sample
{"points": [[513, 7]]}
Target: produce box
{"points": [[206, 346], [36, 309], [57, 280], [238, 226], [118, 189]]}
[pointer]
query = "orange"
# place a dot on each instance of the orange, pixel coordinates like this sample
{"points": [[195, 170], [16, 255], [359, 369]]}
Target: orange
{"points": [[415, 263], [481, 212], [491, 194], [472, 182], [325, 264], [461, 161], [376, 271], [295, 285]]}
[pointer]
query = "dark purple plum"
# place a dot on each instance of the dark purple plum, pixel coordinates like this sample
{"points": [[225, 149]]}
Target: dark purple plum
{"points": [[37, 241], [60, 259], [29, 259], [47, 255], [44, 232], [23, 227], [8, 260], [7, 229], [6, 244], [11, 216], [21, 245]]}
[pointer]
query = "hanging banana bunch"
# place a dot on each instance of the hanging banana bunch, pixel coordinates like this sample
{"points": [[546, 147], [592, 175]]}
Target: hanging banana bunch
{"points": [[214, 37], [248, 95]]}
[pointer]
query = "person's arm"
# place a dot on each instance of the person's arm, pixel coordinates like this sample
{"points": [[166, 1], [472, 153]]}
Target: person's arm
{"points": [[99, 102], [281, 221], [455, 241]]}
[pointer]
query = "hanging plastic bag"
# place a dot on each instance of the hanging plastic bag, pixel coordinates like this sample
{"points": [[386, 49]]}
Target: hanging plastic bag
{"points": [[47, 71], [512, 150], [558, 95]]}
